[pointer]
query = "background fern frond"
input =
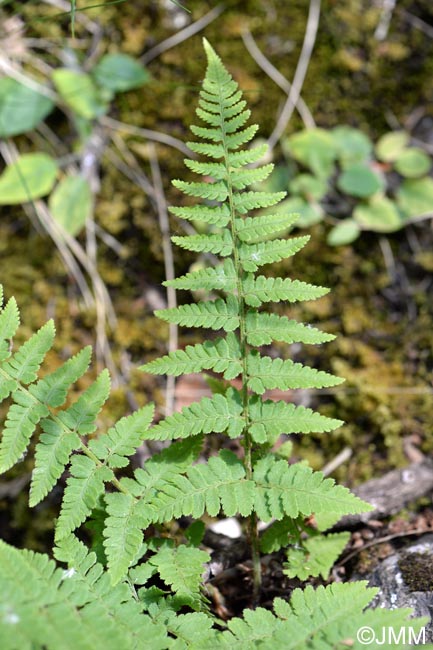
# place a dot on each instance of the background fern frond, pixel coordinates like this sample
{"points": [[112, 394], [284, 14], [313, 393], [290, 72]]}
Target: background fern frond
{"points": [[9, 323], [316, 556], [81, 416], [53, 389], [25, 363]]}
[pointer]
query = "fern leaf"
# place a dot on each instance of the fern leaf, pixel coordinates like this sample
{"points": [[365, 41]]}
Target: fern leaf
{"points": [[221, 355], [240, 158], [216, 151], [218, 484], [263, 329], [270, 419], [52, 454], [21, 421], [212, 414], [123, 439], [256, 229], [9, 323], [258, 290], [252, 256], [182, 568], [211, 191], [25, 363], [53, 389], [123, 533], [217, 170], [283, 490], [266, 373], [218, 314], [213, 117], [222, 277], [218, 244], [278, 535], [236, 140], [316, 556], [83, 489], [82, 414], [215, 215], [242, 178], [246, 201]]}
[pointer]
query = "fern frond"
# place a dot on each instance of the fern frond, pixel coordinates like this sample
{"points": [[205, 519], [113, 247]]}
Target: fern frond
{"points": [[316, 556], [82, 492], [293, 490], [21, 421], [215, 215], [215, 151], [53, 389], [266, 374], [263, 329], [317, 619], [258, 290], [218, 484], [213, 117], [221, 277], [216, 170], [252, 256], [246, 201], [81, 416], [123, 439], [9, 323], [270, 419], [211, 414], [214, 314], [25, 363], [211, 191], [278, 535], [240, 158], [213, 243], [221, 355], [182, 568], [52, 454], [242, 178]]}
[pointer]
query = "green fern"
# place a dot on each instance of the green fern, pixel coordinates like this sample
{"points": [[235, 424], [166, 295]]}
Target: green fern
{"points": [[116, 604]]}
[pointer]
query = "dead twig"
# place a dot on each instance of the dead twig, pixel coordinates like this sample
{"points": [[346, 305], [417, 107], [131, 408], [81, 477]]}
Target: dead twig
{"points": [[148, 134], [277, 77]]}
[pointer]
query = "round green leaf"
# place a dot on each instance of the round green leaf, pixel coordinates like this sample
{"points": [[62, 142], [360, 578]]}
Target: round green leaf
{"points": [[412, 163], [71, 203], [21, 108], [415, 197], [309, 187], [314, 148], [380, 215], [390, 145], [30, 177], [309, 213], [359, 180], [343, 233], [79, 93], [119, 72], [353, 146]]}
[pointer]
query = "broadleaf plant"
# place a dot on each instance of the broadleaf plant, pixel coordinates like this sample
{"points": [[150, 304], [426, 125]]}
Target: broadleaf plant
{"points": [[144, 589]]}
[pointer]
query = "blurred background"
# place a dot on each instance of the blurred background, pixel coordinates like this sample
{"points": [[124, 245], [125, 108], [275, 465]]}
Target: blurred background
{"points": [[95, 103]]}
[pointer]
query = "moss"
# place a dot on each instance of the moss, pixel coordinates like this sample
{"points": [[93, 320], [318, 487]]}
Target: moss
{"points": [[417, 571]]}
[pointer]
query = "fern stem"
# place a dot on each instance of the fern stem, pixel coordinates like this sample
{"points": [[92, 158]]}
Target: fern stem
{"points": [[253, 536]]}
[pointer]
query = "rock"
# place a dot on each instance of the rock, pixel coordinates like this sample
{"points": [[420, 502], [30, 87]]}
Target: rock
{"points": [[405, 579]]}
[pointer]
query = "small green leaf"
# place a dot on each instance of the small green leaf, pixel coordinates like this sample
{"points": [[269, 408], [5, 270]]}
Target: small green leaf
{"points": [[380, 215], [316, 557], [309, 187], [71, 203], [415, 197], [314, 148], [359, 180], [309, 213], [390, 145], [79, 93], [353, 146], [413, 163], [21, 108], [30, 177], [120, 72], [343, 233]]}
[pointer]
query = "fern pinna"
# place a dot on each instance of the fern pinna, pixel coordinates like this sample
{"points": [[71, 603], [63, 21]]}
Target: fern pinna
{"points": [[139, 589]]}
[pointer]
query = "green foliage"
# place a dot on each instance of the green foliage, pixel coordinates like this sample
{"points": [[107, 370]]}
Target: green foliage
{"points": [[71, 203], [33, 175], [136, 595], [21, 108], [316, 556], [341, 173]]}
